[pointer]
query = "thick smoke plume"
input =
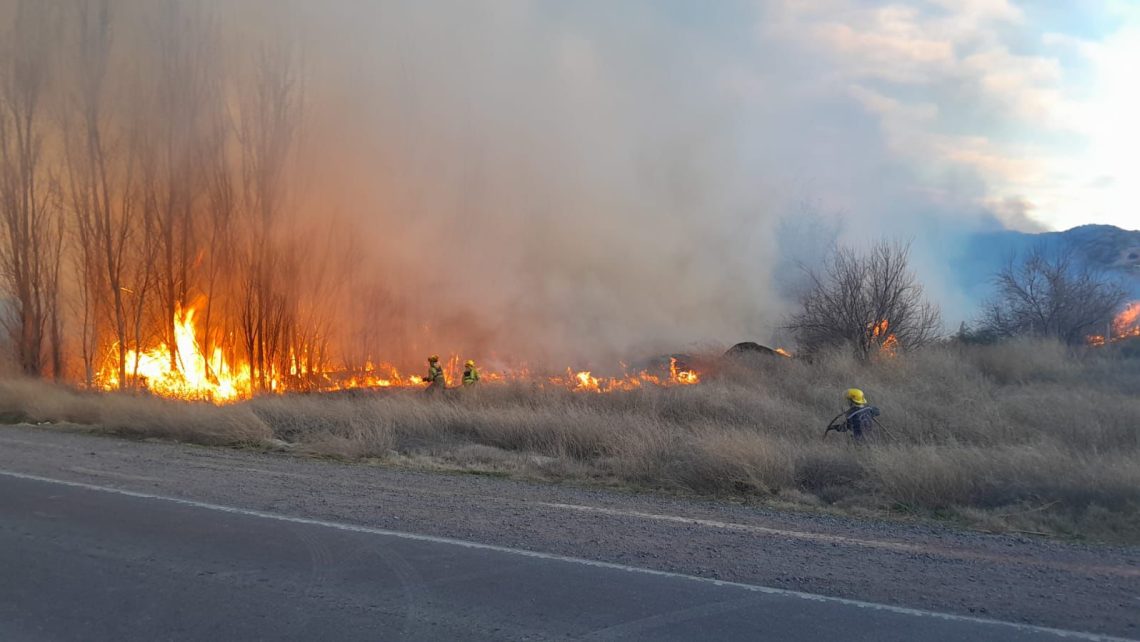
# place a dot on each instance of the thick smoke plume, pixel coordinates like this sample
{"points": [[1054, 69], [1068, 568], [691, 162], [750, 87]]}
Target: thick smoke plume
{"points": [[346, 182], [529, 187]]}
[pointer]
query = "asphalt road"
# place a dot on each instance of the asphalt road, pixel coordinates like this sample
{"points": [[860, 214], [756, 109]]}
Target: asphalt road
{"points": [[126, 561]]}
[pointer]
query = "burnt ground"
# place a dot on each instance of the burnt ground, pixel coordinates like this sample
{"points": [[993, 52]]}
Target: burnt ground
{"points": [[1018, 579]]}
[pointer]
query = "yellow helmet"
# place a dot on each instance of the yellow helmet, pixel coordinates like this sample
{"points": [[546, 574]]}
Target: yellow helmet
{"points": [[855, 396], [433, 358], [470, 363]]}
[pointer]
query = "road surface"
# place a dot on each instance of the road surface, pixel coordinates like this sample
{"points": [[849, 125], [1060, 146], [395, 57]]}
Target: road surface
{"points": [[107, 539]]}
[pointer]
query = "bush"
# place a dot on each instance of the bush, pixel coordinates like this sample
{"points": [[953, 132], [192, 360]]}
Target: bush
{"points": [[1051, 295], [869, 302]]}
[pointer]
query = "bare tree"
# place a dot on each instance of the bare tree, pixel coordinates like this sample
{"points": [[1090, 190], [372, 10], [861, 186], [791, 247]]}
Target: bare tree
{"points": [[140, 171], [870, 301], [180, 98], [1051, 294], [29, 247], [220, 260], [319, 301], [103, 195], [267, 132]]}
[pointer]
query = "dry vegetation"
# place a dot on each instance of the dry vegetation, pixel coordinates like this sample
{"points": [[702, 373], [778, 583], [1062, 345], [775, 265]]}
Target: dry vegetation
{"points": [[1023, 436]]}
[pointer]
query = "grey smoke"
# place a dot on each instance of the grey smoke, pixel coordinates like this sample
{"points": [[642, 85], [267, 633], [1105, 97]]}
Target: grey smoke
{"points": [[578, 183]]}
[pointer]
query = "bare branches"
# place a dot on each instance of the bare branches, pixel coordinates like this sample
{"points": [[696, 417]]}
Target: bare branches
{"points": [[268, 123], [867, 301], [1050, 295], [29, 247], [102, 198], [178, 120]]}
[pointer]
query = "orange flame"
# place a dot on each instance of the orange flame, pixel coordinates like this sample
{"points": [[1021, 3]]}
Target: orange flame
{"points": [[887, 341], [585, 381], [1125, 325], [383, 376], [682, 377], [187, 373]]}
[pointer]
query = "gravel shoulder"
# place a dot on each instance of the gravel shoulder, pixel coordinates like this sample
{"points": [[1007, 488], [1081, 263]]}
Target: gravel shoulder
{"points": [[1081, 587]]}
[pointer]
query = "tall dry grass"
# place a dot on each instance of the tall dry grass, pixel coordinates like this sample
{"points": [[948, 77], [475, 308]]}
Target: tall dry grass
{"points": [[1025, 435], [24, 401]]}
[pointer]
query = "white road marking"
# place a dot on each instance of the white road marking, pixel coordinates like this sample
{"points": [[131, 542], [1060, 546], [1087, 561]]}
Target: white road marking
{"points": [[744, 528], [766, 590], [902, 547]]}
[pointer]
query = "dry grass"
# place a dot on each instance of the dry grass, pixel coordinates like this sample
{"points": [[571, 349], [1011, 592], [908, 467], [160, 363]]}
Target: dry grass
{"points": [[135, 416], [1026, 436]]}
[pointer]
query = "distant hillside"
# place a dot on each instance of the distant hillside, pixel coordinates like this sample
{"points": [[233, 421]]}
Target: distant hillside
{"points": [[1105, 247]]}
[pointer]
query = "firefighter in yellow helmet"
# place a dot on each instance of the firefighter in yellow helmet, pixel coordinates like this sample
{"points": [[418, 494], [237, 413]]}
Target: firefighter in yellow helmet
{"points": [[434, 378], [857, 419], [470, 373], [859, 416]]}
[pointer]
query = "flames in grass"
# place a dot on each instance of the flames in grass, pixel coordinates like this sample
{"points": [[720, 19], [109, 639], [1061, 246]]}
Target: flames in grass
{"points": [[585, 381], [1125, 325], [186, 371]]}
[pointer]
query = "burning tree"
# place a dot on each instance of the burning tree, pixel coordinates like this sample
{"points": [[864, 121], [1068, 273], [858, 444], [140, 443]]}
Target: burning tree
{"points": [[871, 301], [1051, 295], [156, 205], [267, 132]]}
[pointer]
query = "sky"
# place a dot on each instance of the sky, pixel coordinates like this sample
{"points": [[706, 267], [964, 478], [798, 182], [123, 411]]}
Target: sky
{"points": [[1035, 101]]}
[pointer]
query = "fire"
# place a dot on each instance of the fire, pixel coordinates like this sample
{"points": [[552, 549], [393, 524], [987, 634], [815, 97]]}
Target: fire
{"points": [[889, 346], [188, 374], [585, 381], [383, 376], [887, 341], [1125, 325], [783, 353], [682, 377]]}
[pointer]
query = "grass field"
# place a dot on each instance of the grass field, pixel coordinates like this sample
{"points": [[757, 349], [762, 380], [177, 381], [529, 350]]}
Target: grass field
{"points": [[1022, 436]]}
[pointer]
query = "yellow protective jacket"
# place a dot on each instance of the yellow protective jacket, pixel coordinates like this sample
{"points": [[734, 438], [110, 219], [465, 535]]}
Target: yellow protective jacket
{"points": [[435, 375], [470, 376]]}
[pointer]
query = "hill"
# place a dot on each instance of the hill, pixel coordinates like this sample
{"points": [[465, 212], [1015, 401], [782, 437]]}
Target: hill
{"points": [[1105, 247]]}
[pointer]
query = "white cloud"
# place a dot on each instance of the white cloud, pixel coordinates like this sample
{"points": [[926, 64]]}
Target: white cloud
{"points": [[955, 88]]}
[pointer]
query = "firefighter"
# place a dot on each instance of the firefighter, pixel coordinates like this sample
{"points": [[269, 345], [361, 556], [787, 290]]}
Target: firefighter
{"points": [[470, 373], [434, 376], [859, 416]]}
